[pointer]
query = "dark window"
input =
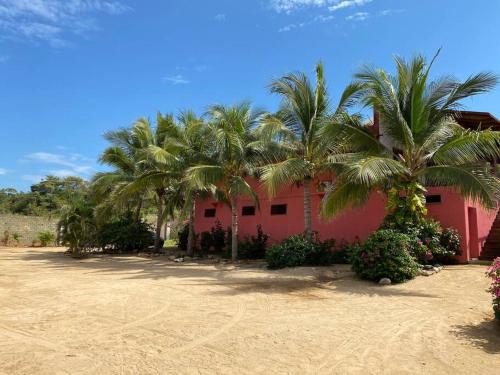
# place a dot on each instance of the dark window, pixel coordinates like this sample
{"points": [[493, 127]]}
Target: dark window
{"points": [[433, 198], [278, 209], [210, 212], [248, 211]]}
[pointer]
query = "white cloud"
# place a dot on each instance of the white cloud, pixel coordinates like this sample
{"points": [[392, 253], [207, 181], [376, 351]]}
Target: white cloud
{"points": [[320, 18], [53, 21], [287, 6], [177, 79], [348, 4], [220, 17], [73, 164], [3, 171], [360, 16]]}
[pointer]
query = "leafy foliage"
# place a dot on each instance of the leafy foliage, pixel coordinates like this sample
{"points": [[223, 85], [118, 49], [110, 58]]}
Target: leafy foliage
{"points": [[300, 250], [254, 247], [182, 237], [47, 197], [385, 254], [493, 273], [422, 144], [77, 228], [125, 234], [46, 238]]}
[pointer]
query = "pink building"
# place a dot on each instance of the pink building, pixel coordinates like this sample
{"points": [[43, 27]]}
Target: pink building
{"points": [[283, 215]]}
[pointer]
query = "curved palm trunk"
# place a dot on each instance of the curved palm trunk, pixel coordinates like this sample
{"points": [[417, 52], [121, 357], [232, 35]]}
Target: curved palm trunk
{"points": [[307, 208], [191, 238], [159, 222], [234, 229], [138, 211]]}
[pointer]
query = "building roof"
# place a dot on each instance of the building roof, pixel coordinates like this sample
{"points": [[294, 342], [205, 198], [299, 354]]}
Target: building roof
{"points": [[475, 120]]}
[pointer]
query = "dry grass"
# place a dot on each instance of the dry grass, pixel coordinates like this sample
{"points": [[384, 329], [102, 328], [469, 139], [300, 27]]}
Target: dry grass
{"points": [[141, 316]]}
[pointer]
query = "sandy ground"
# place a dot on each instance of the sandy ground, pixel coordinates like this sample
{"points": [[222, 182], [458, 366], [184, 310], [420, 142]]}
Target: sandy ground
{"points": [[141, 316]]}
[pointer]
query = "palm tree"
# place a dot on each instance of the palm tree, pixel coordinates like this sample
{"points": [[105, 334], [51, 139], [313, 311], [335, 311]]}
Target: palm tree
{"points": [[187, 145], [421, 143], [138, 172], [124, 157], [234, 156], [298, 128]]}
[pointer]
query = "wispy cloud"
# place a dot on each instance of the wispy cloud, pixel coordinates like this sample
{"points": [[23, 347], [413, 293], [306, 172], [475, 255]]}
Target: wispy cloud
{"points": [[360, 16], [177, 79], [72, 164], [53, 21], [221, 17], [3, 171], [287, 6], [320, 18], [363, 16], [348, 4]]}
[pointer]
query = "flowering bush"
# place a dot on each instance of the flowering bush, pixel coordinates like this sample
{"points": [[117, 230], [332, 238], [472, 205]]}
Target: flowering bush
{"points": [[494, 273], [386, 253]]}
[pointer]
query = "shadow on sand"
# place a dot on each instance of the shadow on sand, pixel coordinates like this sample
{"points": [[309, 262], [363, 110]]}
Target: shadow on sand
{"points": [[235, 279], [485, 335]]}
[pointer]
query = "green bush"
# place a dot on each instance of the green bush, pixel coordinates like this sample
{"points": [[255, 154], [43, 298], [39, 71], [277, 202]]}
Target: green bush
{"points": [[254, 247], [206, 241], [77, 228], [429, 242], [46, 238], [342, 253], [218, 236], [300, 250], [386, 253], [125, 234], [182, 237]]}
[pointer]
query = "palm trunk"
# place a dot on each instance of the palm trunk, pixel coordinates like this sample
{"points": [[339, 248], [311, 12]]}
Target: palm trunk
{"points": [[234, 229], [191, 234], [307, 208], [159, 221], [138, 211]]}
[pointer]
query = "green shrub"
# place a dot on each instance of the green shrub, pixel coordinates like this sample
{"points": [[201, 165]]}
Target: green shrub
{"points": [[342, 253], [182, 237], [77, 228], [300, 250], [386, 253], [429, 242], [255, 246], [218, 236], [16, 237], [46, 238], [206, 241], [125, 234]]}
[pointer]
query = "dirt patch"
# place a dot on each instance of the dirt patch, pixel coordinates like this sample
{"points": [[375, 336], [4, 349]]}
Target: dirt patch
{"points": [[134, 315]]}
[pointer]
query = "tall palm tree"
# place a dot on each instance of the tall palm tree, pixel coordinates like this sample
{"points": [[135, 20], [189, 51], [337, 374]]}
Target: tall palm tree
{"points": [[234, 156], [124, 157], [188, 145], [143, 173], [421, 143], [298, 127]]}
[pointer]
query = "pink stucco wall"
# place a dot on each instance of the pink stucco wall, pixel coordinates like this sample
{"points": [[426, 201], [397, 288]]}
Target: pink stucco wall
{"points": [[353, 224]]}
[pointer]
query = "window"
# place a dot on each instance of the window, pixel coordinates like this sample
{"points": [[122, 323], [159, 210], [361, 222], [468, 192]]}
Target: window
{"points": [[210, 212], [278, 209], [433, 198], [248, 211]]}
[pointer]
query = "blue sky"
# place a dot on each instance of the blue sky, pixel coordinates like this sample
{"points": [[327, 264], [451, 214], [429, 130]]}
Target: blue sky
{"points": [[72, 69]]}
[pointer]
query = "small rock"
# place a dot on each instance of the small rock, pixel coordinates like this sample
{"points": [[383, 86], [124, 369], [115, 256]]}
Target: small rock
{"points": [[179, 260], [437, 269], [426, 273], [428, 267], [385, 281], [172, 257]]}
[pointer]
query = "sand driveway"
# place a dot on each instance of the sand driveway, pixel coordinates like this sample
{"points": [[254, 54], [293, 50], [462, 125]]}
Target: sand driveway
{"points": [[135, 315]]}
